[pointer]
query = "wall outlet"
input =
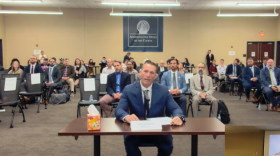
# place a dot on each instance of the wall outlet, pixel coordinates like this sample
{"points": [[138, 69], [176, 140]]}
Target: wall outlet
{"points": [[256, 153]]}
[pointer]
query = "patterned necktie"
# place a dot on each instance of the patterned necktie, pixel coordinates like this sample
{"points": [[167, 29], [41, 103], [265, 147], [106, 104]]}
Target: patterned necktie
{"points": [[271, 77], [174, 81], [50, 74], [32, 72], [201, 83]]}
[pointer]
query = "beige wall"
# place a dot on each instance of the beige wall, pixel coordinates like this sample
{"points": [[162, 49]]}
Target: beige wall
{"points": [[92, 33], [244, 144], [2, 33]]}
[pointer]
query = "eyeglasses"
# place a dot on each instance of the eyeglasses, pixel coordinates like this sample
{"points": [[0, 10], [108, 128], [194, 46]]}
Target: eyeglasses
{"points": [[201, 67]]}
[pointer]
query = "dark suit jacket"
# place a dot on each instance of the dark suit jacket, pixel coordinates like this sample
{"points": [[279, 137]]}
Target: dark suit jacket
{"points": [[229, 70], [37, 69], [44, 65], [125, 58], [70, 71], [261, 66], [111, 82], [132, 99], [265, 77], [56, 75], [247, 74], [158, 70], [208, 58]]}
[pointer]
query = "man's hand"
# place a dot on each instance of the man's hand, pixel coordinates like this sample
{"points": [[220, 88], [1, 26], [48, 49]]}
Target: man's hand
{"points": [[172, 92], [203, 95], [80, 72], [48, 84], [254, 79], [115, 96], [176, 121], [175, 92], [132, 117], [64, 78], [230, 76], [274, 88]]}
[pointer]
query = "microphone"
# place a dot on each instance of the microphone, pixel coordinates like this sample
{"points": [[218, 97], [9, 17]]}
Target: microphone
{"points": [[146, 103]]}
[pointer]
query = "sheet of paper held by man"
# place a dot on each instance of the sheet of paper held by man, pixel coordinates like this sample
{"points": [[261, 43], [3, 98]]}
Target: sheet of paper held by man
{"points": [[161, 120], [144, 125], [35, 78], [10, 84]]}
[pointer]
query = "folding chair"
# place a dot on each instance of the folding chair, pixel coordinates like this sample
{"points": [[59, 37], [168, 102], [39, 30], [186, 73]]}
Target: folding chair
{"points": [[84, 95], [11, 98], [10, 75], [34, 90], [201, 103]]}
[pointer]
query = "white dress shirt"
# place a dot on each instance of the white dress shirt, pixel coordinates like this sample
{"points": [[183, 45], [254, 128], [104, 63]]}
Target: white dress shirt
{"points": [[161, 69], [33, 68], [221, 70], [252, 69]]}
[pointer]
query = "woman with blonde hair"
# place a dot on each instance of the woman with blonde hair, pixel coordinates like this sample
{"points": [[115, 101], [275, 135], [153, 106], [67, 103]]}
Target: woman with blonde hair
{"points": [[16, 68]]}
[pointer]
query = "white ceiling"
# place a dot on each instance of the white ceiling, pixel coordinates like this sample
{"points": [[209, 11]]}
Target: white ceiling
{"points": [[185, 4]]}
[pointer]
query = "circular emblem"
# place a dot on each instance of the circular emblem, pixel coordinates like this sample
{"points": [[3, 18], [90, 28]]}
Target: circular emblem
{"points": [[143, 27]]}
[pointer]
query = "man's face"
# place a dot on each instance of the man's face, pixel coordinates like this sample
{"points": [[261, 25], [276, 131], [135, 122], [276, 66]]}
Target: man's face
{"points": [[200, 69], [42, 53], [118, 67], [33, 59], [250, 63], [109, 63], [129, 65], [52, 62], [148, 74], [161, 64], [214, 62], [235, 62], [61, 61], [173, 65], [222, 62], [66, 62], [209, 52], [270, 63], [264, 61], [45, 62]]}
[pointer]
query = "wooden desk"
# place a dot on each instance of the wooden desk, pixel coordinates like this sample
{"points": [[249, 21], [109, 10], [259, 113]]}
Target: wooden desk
{"points": [[112, 126]]}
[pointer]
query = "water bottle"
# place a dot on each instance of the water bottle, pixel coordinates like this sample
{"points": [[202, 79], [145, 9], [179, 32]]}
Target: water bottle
{"points": [[259, 107], [219, 116], [90, 98]]}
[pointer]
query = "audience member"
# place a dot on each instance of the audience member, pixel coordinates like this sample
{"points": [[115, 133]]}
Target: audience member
{"points": [[116, 82], [33, 68], [80, 71], [68, 74], [202, 89], [251, 78], [102, 64], [214, 72], [61, 64], [186, 63], [161, 67], [15, 68], [52, 79], [124, 65], [54, 61], [133, 98], [109, 69], [263, 65], [28, 62], [83, 64], [133, 62], [15, 59], [129, 69], [42, 56], [270, 79], [241, 65], [182, 70], [38, 62], [222, 70], [91, 63], [45, 64], [126, 57], [176, 84], [209, 59], [168, 65], [233, 74]]}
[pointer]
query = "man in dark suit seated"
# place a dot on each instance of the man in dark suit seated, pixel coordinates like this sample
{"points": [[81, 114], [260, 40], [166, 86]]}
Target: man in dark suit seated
{"points": [[176, 83], [45, 64], [115, 85], [52, 78], [270, 79], [160, 98], [233, 74], [263, 65], [161, 69], [251, 78]]}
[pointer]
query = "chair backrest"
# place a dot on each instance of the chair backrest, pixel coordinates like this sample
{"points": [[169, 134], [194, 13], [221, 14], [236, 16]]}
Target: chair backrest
{"points": [[10, 75], [133, 78], [4, 72], [138, 69], [34, 87], [84, 95], [8, 96], [97, 76]]}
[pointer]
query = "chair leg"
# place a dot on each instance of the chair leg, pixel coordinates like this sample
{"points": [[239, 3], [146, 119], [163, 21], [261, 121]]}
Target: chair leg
{"points": [[80, 114], [265, 102], [45, 101], [38, 111], [188, 108], [78, 111], [14, 109], [210, 111], [22, 113], [192, 111]]}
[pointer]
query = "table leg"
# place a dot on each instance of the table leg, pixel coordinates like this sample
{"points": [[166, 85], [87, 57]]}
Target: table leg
{"points": [[96, 145], [194, 145]]}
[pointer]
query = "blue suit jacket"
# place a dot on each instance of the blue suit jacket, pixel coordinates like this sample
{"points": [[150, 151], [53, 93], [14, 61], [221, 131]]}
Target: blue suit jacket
{"points": [[166, 81], [132, 99], [111, 82], [38, 69], [265, 77], [247, 74]]}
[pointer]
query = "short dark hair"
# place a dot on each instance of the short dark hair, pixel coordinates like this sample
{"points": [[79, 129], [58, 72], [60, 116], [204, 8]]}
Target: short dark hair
{"points": [[128, 53], [237, 60], [104, 57], [250, 58], [46, 59], [130, 62], [173, 59], [222, 60], [54, 58], [167, 62], [115, 61], [266, 58], [150, 63]]}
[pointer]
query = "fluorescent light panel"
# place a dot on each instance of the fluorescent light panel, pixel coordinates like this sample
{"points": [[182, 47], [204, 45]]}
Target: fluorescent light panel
{"points": [[143, 4], [141, 14], [31, 12], [246, 14], [22, 1], [258, 4]]}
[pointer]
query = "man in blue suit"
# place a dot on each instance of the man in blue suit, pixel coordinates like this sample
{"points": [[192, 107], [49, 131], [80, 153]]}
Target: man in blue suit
{"points": [[176, 84], [160, 98], [251, 78], [270, 79], [233, 74]]}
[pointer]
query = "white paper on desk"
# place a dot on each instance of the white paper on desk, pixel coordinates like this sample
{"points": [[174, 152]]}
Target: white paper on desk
{"points": [[144, 125], [188, 76], [35, 78], [10, 84], [161, 120], [89, 84], [103, 78], [233, 77]]}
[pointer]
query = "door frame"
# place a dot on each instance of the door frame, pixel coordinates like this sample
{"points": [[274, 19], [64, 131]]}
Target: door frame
{"points": [[277, 52], [273, 42]]}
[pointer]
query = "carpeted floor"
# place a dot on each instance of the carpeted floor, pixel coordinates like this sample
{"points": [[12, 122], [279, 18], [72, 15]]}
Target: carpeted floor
{"points": [[38, 135]]}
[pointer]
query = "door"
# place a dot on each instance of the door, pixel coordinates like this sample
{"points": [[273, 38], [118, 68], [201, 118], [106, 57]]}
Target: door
{"points": [[278, 54], [1, 53], [253, 51], [259, 50]]}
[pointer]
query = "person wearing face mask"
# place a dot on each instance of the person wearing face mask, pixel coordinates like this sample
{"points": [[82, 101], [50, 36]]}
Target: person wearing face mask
{"points": [[202, 89], [251, 78], [133, 98], [270, 79], [233, 73]]}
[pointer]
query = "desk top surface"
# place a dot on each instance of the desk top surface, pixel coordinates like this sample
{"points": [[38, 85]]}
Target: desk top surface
{"points": [[112, 126]]}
